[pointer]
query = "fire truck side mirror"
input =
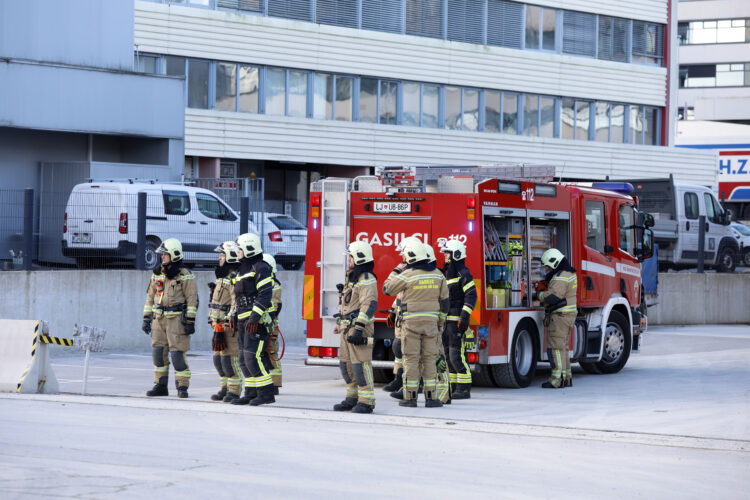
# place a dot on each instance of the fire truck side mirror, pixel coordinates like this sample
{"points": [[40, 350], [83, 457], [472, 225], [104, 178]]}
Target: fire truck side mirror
{"points": [[646, 249]]}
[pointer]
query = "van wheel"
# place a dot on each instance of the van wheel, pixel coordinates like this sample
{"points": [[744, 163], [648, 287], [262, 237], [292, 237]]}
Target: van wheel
{"points": [[521, 367], [727, 260], [746, 257], [617, 344], [151, 259]]}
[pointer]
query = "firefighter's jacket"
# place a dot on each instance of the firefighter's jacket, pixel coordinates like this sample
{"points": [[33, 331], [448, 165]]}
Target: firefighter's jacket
{"points": [[275, 299], [424, 297], [560, 296], [253, 290], [171, 293], [359, 301], [461, 290], [222, 297]]}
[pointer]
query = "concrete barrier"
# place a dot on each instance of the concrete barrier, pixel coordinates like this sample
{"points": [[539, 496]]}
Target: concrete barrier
{"points": [[24, 358], [113, 300], [698, 299]]}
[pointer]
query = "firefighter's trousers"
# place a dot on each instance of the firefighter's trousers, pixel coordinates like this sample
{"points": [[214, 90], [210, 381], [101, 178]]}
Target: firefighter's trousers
{"points": [[168, 337], [443, 378], [558, 335], [273, 351], [227, 362], [355, 362], [257, 361], [420, 349], [454, 346]]}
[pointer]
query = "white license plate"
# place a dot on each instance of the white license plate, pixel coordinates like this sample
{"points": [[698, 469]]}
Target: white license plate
{"points": [[82, 238], [392, 207], [298, 238]]}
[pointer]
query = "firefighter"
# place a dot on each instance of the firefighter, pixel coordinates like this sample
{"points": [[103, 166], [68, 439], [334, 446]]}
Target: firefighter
{"points": [[424, 307], [463, 298], [273, 345], [443, 375], [558, 295], [359, 301], [171, 305], [224, 343], [253, 291]]}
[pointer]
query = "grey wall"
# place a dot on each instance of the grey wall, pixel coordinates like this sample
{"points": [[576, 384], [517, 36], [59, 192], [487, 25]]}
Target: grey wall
{"points": [[113, 299], [95, 33]]}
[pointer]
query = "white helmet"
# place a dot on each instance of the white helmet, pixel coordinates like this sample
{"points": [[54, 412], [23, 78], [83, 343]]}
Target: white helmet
{"points": [[552, 258], [455, 249], [414, 251], [250, 244], [430, 253], [230, 251], [360, 251], [268, 258], [173, 247], [408, 239]]}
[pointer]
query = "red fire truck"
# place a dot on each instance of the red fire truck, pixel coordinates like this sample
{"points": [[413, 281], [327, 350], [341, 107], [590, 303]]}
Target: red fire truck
{"points": [[507, 216]]}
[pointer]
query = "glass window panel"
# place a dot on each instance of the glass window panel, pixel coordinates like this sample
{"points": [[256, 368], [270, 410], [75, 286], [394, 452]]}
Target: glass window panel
{"points": [[323, 97], [424, 18], [471, 110], [700, 35], [725, 23], [568, 118], [175, 66], [531, 115], [198, 84], [145, 64], [736, 67], [729, 79], [388, 100], [617, 118], [722, 67], [627, 229], [691, 205], [533, 15], [368, 100], [582, 120], [595, 225], [297, 94], [249, 89], [410, 108], [344, 98], [492, 110], [453, 108], [226, 86], [738, 23], [709, 24], [547, 123], [510, 113], [636, 124], [730, 35], [548, 29], [275, 91], [601, 122], [430, 103], [650, 132]]}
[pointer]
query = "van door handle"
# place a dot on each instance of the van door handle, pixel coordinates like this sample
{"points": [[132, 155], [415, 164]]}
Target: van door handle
{"points": [[204, 223], [191, 222], [687, 226], [706, 226]]}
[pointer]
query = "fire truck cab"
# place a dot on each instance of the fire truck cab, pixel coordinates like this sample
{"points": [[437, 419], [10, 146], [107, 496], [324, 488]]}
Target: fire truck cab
{"points": [[507, 216]]}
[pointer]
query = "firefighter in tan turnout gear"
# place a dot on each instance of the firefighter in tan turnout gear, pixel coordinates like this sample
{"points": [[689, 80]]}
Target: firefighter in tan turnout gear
{"points": [[169, 316], [273, 345], [359, 301], [559, 300], [224, 344], [424, 307]]}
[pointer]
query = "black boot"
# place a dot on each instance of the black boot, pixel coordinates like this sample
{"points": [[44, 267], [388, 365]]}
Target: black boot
{"points": [[398, 394], [362, 408], [410, 403], [275, 390], [219, 396], [345, 405], [158, 390], [182, 392], [396, 383], [265, 396], [567, 382], [461, 391], [548, 385], [250, 394], [230, 397], [433, 403]]}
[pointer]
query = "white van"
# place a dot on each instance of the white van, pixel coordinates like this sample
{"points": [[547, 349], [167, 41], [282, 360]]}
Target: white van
{"points": [[101, 221]]}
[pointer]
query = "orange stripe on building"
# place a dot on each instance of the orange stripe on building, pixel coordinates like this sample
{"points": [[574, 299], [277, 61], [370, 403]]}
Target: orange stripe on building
{"points": [[308, 297]]}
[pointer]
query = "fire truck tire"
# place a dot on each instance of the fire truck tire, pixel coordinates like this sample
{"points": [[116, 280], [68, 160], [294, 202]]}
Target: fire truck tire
{"points": [[519, 371], [483, 377], [617, 344], [590, 367]]}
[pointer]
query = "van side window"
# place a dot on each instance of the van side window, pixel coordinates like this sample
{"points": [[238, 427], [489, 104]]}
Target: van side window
{"points": [[595, 229], [213, 208], [713, 209], [627, 229], [176, 202], [691, 205]]}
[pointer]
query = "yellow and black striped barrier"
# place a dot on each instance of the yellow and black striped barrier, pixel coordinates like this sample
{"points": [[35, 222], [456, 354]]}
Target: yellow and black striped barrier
{"points": [[56, 340]]}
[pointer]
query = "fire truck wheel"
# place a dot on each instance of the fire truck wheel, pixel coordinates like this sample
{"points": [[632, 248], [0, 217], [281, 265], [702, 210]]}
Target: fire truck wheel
{"points": [[617, 344], [519, 371], [483, 377]]}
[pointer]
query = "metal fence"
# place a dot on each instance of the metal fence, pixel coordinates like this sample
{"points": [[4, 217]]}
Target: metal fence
{"points": [[103, 224]]}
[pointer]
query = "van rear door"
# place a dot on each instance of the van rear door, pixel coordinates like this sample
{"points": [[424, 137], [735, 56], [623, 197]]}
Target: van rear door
{"points": [[96, 216]]}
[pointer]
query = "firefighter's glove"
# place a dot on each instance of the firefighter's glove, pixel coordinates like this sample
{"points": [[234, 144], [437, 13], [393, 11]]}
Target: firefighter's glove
{"points": [[146, 326], [441, 365], [540, 286], [219, 342], [190, 327], [251, 328], [358, 338], [463, 324], [390, 322], [211, 288]]}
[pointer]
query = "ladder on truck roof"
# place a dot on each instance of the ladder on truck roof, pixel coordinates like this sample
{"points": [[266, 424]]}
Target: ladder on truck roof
{"points": [[334, 238]]}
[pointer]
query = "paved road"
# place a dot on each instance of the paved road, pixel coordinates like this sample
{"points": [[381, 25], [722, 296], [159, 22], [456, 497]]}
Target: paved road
{"points": [[674, 422]]}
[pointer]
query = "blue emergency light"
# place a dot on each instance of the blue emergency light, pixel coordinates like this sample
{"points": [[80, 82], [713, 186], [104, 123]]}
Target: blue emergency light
{"points": [[618, 187]]}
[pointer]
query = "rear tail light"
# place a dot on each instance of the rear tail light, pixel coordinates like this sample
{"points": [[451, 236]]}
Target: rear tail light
{"points": [[472, 357], [123, 227], [322, 352], [275, 236], [471, 208], [65, 223], [315, 210]]}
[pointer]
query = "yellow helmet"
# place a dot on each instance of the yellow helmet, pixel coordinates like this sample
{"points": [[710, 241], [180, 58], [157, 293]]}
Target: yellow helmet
{"points": [[360, 251], [250, 244], [230, 251], [408, 239], [414, 251], [430, 253], [455, 249], [172, 247], [268, 258], [552, 258]]}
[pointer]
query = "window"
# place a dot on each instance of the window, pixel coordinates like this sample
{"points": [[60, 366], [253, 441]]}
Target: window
{"points": [[453, 108], [549, 22], [730, 75], [650, 126], [248, 89], [226, 86], [614, 34], [344, 98], [713, 209], [691, 206], [297, 94], [579, 33], [336, 12], [648, 42], [601, 122], [213, 208], [466, 20], [388, 101], [176, 202], [290, 9], [382, 15], [368, 100], [531, 115], [275, 91], [323, 97], [504, 23], [410, 108], [248, 5], [636, 124], [568, 119], [430, 105], [174, 66], [198, 84], [533, 26], [595, 228], [722, 31], [510, 113], [492, 110], [424, 18], [145, 64], [547, 116], [583, 111], [627, 229], [471, 110], [283, 222], [617, 121]]}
